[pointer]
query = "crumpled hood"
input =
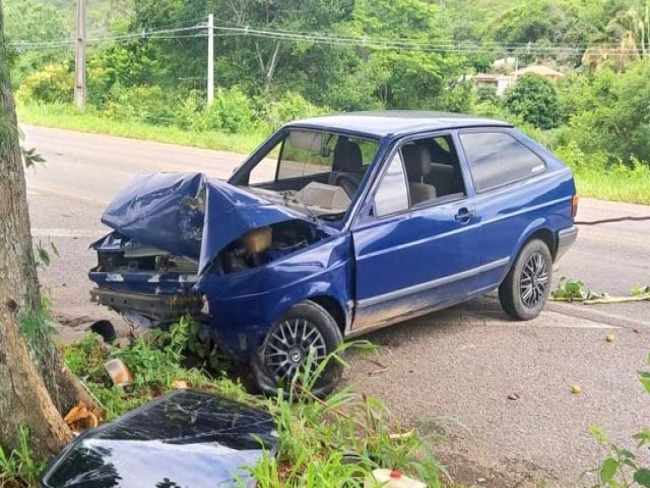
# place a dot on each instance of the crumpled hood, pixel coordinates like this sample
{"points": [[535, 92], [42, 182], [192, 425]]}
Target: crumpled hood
{"points": [[189, 214]]}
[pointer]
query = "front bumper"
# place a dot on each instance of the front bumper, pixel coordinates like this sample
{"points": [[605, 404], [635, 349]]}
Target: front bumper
{"points": [[159, 308], [565, 239]]}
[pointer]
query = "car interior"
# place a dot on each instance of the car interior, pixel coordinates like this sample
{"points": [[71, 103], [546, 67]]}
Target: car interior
{"points": [[433, 170], [319, 173]]}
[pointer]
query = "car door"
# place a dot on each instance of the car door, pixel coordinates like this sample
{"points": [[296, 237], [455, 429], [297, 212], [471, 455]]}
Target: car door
{"points": [[411, 256], [508, 178]]}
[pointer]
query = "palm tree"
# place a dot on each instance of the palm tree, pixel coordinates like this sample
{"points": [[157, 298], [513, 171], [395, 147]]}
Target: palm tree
{"points": [[630, 32]]}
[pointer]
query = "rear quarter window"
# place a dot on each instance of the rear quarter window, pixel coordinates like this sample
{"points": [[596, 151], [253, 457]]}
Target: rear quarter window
{"points": [[497, 158]]}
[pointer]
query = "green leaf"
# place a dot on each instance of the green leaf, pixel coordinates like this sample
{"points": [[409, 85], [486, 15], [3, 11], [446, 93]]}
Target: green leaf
{"points": [[642, 437], [599, 434], [642, 477], [644, 377], [608, 470], [43, 255], [55, 249], [624, 453]]}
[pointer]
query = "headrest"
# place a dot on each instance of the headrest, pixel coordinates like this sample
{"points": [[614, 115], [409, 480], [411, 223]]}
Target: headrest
{"points": [[416, 161], [438, 154], [347, 156]]}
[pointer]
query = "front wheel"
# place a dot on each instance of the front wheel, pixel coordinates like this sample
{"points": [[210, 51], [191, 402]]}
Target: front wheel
{"points": [[306, 329], [524, 291]]}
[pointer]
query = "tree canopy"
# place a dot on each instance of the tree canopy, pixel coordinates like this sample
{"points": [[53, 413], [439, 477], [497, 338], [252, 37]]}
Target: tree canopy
{"points": [[147, 60]]}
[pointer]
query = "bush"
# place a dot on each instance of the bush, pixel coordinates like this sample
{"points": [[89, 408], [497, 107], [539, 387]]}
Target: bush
{"points": [[142, 103], [290, 107], [188, 110], [573, 156], [488, 94], [231, 111], [54, 83], [535, 100], [129, 65]]}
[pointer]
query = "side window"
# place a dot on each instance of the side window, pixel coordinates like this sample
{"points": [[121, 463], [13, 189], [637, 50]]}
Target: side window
{"points": [[432, 169], [392, 195], [497, 158]]}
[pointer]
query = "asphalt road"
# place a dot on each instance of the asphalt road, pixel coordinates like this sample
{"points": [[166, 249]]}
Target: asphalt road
{"points": [[449, 373]]}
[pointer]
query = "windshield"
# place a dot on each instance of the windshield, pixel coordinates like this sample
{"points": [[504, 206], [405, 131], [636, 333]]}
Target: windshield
{"points": [[315, 172]]}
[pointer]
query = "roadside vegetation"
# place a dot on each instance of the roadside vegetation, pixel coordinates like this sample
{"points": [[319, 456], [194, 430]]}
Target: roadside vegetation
{"points": [[321, 442], [396, 55], [623, 468], [569, 290]]}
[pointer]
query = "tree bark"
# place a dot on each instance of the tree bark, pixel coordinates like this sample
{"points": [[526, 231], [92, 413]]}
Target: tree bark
{"points": [[35, 387]]}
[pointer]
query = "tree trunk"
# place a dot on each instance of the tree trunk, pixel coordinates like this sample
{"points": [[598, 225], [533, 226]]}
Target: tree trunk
{"points": [[35, 386]]}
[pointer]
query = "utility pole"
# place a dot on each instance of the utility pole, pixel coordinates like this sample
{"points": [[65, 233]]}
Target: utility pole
{"points": [[210, 59], [80, 57]]}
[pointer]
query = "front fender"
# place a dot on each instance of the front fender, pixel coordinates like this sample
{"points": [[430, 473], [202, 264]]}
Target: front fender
{"points": [[243, 306]]}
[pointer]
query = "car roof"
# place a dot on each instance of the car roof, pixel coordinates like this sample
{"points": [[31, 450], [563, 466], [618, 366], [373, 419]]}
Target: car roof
{"points": [[395, 122]]}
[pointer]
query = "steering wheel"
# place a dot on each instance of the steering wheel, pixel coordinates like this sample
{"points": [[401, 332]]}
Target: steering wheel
{"points": [[348, 184]]}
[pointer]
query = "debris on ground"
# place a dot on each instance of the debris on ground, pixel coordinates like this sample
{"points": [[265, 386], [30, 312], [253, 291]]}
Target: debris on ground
{"points": [[513, 396], [118, 372], [576, 389], [610, 337], [390, 342], [569, 290], [81, 418], [391, 478]]}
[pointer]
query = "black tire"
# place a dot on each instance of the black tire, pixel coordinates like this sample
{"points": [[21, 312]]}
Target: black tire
{"points": [[314, 328], [526, 287]]}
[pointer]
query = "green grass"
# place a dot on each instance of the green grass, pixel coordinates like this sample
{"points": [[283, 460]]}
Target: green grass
{"points": [[317, 438], [614, 186], [67, 117], [19, 467], [622, 184]]}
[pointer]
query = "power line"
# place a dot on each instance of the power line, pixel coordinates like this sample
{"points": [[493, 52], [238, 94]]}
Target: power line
{"points": [[318, 38]]}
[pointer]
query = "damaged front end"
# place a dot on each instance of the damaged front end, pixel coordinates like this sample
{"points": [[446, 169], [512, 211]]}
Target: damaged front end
{"points": [[174, 231], [147, 285]]}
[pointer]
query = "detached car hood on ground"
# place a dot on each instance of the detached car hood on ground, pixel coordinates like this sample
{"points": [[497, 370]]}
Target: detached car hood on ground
{"points": [[189, 214], [184, 439]]}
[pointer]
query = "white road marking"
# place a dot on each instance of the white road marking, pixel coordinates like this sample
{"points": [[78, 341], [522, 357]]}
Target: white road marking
{"points": [[60, 232]]}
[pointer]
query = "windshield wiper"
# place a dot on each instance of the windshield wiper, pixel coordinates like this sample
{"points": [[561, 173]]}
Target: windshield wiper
{"points": [[332, 216], [308, 210]]}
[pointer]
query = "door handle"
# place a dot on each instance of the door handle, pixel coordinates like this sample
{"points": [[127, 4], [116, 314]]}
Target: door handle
{"points": [[464, 215]]}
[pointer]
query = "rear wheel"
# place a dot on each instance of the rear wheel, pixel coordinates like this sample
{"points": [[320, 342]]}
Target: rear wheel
{"points": [[524, 291], [305, 329]]}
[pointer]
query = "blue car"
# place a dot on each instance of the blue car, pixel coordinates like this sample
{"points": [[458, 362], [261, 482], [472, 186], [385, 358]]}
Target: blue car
{"points": [[336, 226]]}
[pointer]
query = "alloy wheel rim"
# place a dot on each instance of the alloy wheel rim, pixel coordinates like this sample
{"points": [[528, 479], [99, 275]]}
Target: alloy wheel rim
{"points": [[534, 280], [289, 344]]}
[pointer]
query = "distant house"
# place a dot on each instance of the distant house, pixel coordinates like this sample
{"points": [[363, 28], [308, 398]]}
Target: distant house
{"points": [[539, 70], [500, 83]]}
